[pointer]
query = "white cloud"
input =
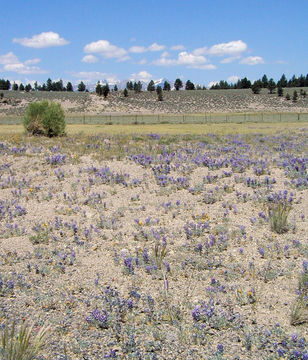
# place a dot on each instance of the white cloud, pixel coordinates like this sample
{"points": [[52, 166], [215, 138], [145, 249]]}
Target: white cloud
{"points": [[43, 40], [233, 79], [89, 59], [142, 62], [156, 47], [11, 63], [252, 60], [32, 61], [107, 50], [138, 49], [177, 47], [230, 59], [200, 51], [9, 58], [142, 75], [165, 54], [229, 48], [187, 59]]}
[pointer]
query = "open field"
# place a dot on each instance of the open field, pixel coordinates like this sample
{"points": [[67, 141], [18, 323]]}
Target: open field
{"points": [[175, 102], [184, 241]]}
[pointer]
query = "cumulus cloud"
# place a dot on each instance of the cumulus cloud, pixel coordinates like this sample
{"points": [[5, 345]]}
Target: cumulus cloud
{"points": [[252, 60], [11, 63], [106, 50], [177, 47], [137, 49], [230, 48], [43, 40], [200, 51], [233, 79], [156, 47], [142, 75], [89, 59], [187, 59]]}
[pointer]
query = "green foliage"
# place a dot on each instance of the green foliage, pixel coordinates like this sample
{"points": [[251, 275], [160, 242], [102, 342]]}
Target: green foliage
{"points": [[115, 88], [69, 86], [106, 90], [129, 85], [151, 86], [137, 87], [99, 89], [21, 87], [280, 91], [178, 84], [15, 87], [28, 87], [5, 84], [21, 345], [288, 97], [167, 86], [125, 93], [278, 216], [81, 86], [271, 86], [256, 87], [45, 118], [295, 96], [264, 81], [159, 93], [189, 85]]}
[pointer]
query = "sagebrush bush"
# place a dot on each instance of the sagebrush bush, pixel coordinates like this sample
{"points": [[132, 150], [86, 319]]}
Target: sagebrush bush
{"points": [[45, 118]]}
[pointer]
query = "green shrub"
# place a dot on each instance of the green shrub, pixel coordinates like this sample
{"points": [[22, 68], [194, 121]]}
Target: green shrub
{"points": [[45, 118], [21, 345]]}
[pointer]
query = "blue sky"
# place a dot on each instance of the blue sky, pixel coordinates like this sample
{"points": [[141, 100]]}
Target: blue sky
{"points": [[201, 40]]}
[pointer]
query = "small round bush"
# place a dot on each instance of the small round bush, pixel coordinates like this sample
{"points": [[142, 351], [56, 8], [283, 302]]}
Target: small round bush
{"points": [[45, 118]]}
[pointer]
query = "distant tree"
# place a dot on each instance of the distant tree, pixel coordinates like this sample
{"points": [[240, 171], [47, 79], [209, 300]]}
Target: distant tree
{"points": [[295, 96], [167, 86], [21, 87], [203, 88], [303, 93], [189, 85], [159, 92], [137, 87], [44, 87], [35, 86], [129, 85], [28, 87], [81, 86], [15, 87], [288, 97], [106, 90], [264, 81], [178, 84], [283, 82], [5, 84], [151, 86], [69, 86], [293, 82], [115, 88], [271, 86], [256, 87], [99, 89], [125, 93], [49, 85], [244, 83], [280, 91]]}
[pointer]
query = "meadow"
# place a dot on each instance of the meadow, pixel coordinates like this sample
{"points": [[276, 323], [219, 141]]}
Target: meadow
{"points": [[162, 241]]}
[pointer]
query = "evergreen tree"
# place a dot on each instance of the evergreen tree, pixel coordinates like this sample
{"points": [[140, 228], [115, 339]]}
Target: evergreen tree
{"points": [[159, 93], [125, 93], [5, 84], [288, 97], [271, 86], [28, 87], [264, 81], [178, 84], [151, 86], [69, 86], [81, 86], [189, 85], [35, 86], [115, 88], [137, 87], [49, 85], [280, 91], [283, 82], [167, 86], [15, 87], [99, 89], [106, 90], [129, 85], [21, 87], [295, 96], [256, 87]]}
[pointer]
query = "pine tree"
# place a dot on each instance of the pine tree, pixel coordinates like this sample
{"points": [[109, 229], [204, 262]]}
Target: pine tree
{"points": [[159, 93], [129, 85], [115, 88], [106, 90], [99, 89], [151, 86], [280, 91], [28, 87], [15, 87], [295, 96], [271, 86], [288, 97], [69, 86], [167, 86], [189, 85], [178, 84], [81, 86], [21, 87], [125, 93], [264, 81], [256, 87]]}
